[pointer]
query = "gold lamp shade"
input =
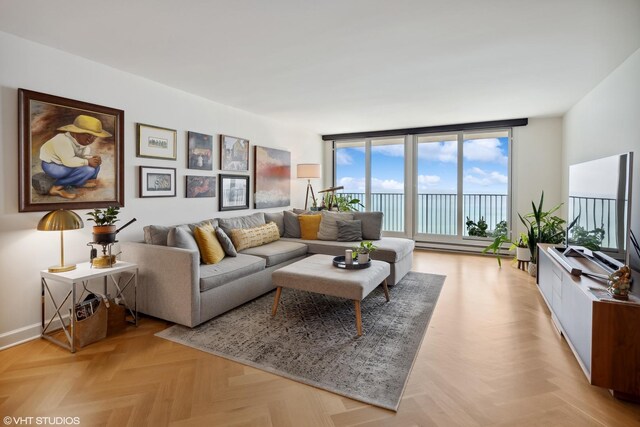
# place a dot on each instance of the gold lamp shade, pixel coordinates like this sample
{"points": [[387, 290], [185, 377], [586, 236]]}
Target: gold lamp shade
{"points": [[60, 220]]}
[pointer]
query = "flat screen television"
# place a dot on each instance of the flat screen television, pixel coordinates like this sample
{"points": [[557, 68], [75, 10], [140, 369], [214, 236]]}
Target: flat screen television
{"points": [[599, 206]]}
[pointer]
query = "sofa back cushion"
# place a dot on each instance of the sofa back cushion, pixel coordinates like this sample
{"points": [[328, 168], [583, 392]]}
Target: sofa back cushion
{"points": [[371, 224], [309, 226], [244, 238], [182, 237], [211, 251], [248, 221], [158, 234], [328, 225]]}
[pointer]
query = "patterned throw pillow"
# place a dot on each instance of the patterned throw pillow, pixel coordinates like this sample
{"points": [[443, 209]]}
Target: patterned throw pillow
{"points": [[245, 238], [211, 251], [309, 226]]}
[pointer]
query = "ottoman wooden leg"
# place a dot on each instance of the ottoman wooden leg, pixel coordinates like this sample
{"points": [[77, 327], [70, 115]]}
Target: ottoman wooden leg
{"points": [[356, 303], [386, 290], [275, 302]]}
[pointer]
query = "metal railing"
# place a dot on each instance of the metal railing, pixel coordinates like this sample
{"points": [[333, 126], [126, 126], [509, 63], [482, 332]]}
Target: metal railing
{"points": [[596, 213], [437, 212]]}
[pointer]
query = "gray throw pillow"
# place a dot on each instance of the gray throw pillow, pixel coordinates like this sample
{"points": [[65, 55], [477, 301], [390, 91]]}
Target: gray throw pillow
{"points": [[225, 242], [278, 218], [248, 221], [291, 225], [182, 237], [371, 224], [328, 228], [349, 231], [156, 234]]}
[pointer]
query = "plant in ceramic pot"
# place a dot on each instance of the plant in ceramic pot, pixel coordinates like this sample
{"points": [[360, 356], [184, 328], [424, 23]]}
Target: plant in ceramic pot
{"points": [[104, 230], [542, 227], [522, 248], [364, 250]]}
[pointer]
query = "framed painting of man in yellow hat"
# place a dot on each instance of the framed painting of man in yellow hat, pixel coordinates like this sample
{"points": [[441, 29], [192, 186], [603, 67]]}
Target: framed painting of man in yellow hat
{"points": [[71, 153]]}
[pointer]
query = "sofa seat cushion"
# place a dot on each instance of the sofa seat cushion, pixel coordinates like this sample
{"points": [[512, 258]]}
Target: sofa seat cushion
{"points": [[390, 249], [278, 252], [228, 270]]}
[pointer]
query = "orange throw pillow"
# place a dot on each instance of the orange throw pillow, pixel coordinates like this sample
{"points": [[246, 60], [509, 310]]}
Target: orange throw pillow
{"points": [[309, 226]]}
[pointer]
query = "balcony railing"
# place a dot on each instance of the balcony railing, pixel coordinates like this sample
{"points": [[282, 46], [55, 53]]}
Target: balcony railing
{"points": [[596, 213], [437, 212]]}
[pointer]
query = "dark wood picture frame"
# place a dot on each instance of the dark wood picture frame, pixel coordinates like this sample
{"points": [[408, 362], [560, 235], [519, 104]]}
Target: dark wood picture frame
{"points": [[234, 154], [41, 117], [198, 186], [159, 135], [199, 151], [160, 188], [228, 200]]}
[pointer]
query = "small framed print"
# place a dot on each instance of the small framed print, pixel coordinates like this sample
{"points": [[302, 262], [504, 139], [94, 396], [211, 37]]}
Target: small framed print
{"points": [[156, 142], [200, 154], [234, 192], [157, 182], [234, 154], [201, 186]]}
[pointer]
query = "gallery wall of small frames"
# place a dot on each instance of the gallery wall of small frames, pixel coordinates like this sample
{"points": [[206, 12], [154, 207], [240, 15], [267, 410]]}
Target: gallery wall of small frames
{"points": [[231, 185]]}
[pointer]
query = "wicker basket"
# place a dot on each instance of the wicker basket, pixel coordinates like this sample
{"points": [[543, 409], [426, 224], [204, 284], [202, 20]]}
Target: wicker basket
{"points": [[93, 328]]}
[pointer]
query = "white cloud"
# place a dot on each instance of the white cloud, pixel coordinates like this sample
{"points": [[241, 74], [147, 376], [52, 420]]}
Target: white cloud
{"points": [[389, 150], [427, 182], [343, 158], [446, 151], [484, 178], [352, 185], [484, 150], [386, 186]]}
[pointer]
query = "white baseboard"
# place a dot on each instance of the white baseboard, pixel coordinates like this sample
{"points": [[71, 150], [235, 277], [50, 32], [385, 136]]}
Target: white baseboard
{"points": [[25, 334]]}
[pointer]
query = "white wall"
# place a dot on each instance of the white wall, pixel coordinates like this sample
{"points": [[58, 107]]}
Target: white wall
{"points": [[607, 122], [537, 166], [25, 251]]}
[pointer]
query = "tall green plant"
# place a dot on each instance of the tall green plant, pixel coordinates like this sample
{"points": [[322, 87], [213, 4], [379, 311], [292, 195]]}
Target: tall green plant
{"points": [[543, 227]]}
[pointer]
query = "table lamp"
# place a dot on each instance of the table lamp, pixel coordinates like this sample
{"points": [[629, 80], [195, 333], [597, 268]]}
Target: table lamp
{"points": [[308, 171], [60, 220]]}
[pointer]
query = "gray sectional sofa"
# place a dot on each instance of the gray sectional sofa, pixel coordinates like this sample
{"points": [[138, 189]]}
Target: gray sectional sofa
{"points": [[173, 284]]}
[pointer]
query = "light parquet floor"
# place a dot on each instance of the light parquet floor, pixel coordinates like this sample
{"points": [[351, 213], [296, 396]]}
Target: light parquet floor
{"points": [[490, 357]]}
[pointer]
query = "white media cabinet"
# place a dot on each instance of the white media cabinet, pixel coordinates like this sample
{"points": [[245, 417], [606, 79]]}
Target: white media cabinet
{"points": [[603, 333]]}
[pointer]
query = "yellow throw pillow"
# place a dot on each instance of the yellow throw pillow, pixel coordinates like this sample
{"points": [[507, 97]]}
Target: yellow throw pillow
{"points": [[245, 238], [309, 226], [211, 250]]}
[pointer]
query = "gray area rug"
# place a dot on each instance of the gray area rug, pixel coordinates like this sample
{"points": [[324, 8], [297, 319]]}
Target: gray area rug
{"points": [[313, 339]]}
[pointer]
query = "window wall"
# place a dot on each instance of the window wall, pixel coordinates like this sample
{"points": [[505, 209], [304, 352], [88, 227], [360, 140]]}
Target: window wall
{"points": [[449, 187]]}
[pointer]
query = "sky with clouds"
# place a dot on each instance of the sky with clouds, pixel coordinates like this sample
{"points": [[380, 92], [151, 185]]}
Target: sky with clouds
{"points": [[484, 172]]}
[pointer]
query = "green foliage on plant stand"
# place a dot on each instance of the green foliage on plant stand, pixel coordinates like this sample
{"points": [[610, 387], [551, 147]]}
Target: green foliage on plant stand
{"points": [[108, 216]]}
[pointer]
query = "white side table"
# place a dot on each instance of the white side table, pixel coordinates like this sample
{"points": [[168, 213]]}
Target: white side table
{"points": [[82, 275]]}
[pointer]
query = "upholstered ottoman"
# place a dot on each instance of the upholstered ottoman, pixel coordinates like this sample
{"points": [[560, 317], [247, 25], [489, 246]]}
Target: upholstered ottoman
{"points": [[317, 274]]}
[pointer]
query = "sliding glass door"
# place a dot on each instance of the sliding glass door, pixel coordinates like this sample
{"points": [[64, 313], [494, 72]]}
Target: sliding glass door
{"points": [[448, 188], [462, 189]]}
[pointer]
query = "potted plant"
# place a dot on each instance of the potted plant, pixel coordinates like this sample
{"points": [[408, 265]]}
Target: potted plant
{"points": [[522, 248], [542, 227], [363, 251], [104, 230]]}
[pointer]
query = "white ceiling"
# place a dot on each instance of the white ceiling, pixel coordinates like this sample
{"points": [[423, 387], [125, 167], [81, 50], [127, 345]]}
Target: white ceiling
{"points": [[351, 65]]}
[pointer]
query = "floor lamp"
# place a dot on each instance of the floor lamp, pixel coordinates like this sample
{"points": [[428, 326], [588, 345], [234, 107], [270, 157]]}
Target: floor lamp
{"points": [[308, 171]]}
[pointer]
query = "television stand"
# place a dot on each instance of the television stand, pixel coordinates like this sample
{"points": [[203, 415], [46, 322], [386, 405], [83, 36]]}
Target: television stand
{"points": [[601, 332]]}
